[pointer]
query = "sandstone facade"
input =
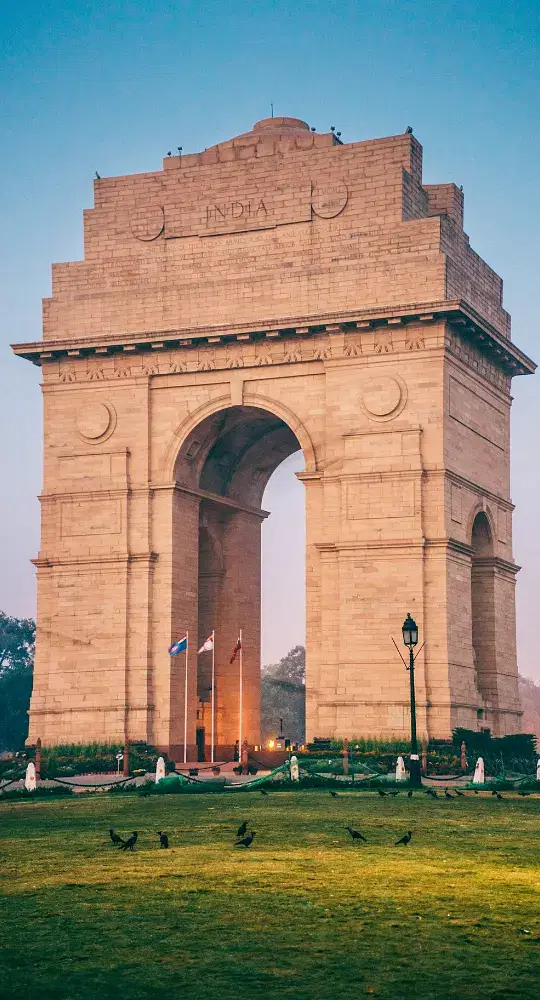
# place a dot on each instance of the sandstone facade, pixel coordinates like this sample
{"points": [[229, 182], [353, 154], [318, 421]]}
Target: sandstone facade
{"points": [[278, 291]]}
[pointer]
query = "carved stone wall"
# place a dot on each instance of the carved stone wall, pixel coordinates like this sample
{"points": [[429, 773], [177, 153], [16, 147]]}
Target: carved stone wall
{"points": [[275, 292]]}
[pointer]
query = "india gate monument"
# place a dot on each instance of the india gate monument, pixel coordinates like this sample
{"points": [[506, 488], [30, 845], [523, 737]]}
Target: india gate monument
{"points": [[277, 292]]}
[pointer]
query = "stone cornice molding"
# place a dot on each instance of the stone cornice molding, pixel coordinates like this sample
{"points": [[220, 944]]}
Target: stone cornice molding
{"points": [[50, 562], [497, 348], [197, 495], [496, 562]]}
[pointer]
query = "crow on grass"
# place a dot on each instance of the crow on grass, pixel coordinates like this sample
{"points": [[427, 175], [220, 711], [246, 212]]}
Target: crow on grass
{"points": [[334, 795], [246, 841], [163, 839], [242, 828], [404, 840], [447, 794], [410, 793], [115, 838], [355, 834], [381, 793], [432, 793], [263, 792], [461, 794], [129, 844]]}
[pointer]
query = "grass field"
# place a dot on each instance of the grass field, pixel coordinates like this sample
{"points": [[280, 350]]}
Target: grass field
{"points": [[303, 914]]}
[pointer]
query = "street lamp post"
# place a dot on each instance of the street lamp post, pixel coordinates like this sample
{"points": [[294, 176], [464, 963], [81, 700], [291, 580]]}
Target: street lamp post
{"points": [[410, 638]]}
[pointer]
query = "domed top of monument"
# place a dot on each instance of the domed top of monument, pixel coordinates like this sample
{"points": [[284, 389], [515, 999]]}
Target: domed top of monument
{"points": [[268, 136], [280, 125]]}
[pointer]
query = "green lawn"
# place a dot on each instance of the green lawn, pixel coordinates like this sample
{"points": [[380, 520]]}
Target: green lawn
{"points": [[303, 914]]}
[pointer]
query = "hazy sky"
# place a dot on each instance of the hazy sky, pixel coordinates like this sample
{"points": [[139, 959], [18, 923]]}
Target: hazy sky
{"points": [[113, 86]]}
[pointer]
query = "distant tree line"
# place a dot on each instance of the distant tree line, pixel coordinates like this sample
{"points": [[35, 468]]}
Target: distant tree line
{"points": [[283, 696], [17, 645]]}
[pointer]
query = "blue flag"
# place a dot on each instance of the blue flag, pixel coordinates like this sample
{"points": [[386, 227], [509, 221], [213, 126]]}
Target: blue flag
{"points": [[178, 647]]}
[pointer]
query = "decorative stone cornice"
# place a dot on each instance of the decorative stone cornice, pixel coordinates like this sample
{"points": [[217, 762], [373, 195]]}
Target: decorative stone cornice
{"points": [[350, 329]]}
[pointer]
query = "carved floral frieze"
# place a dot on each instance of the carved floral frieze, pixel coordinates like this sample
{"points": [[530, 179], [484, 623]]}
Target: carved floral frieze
{"points": [[270, 351]]}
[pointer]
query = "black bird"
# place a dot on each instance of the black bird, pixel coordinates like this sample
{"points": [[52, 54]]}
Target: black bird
{"points": [[447, 794], [115, 838], [394, 793], [334, 795], [381, 793], [129, 844], [524, 793], [355, 834], [497, 795], [242, 828], [432, 792], [98, 176], [461, 794], [404, 840], [408, 130], [263, 792], [475, 790], [246, 841], [163, 839], [410, 793]]}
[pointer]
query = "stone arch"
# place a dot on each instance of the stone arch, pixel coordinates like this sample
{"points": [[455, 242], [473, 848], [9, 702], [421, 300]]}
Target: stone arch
{"points": [[485, 509], [219, 463], [194, 419], [483, 633]]}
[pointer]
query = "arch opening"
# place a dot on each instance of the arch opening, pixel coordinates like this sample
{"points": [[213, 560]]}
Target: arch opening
{"points": [[483, 613], [224, 465]]}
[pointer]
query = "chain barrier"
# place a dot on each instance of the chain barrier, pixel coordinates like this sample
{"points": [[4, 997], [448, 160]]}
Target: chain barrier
{"points": [[98, 784]]}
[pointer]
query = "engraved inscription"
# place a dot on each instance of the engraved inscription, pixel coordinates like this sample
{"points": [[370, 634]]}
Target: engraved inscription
{"points": [[222, 214], [328, 200], [147, 224]]}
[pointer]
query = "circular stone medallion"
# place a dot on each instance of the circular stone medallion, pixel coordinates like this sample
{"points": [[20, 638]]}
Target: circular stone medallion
{"points": [[384, 396], [147, 223], [328, 200], [95, 419]]}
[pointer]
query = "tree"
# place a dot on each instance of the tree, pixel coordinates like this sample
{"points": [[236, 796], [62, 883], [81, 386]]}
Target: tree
{"points": [[17, 645], [283, 696]]}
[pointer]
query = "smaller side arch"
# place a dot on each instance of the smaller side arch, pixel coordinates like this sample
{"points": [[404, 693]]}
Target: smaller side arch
{"points": [[481, 508]]}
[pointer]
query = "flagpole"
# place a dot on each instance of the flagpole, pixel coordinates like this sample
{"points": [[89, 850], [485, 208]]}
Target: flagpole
{"points": [[213, 691], [186, 698], [240, 696]]}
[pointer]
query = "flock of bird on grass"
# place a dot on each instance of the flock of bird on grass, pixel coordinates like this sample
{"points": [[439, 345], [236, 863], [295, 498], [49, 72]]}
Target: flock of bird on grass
{"points": [[244, 838]]}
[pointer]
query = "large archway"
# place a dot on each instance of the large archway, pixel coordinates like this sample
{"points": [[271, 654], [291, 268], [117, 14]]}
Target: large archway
{"points": [[483, 615], [226, 461]]}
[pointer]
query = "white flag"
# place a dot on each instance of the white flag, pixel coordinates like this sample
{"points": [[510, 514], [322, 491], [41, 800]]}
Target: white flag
{"points": [[209, 644]]}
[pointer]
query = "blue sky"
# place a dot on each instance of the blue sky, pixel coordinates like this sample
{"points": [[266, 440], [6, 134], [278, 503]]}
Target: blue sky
{"points": [[113, 86]]}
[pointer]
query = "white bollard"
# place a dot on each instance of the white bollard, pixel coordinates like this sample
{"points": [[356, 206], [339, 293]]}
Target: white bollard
{"points": [[160, 769], [30, 778], [538, 771], [401, 772], [479, 772], [295, 771]]}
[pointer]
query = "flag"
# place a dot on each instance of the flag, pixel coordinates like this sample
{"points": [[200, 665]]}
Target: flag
{"points": [[236, 649], [178, 647], [209, 644]]}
